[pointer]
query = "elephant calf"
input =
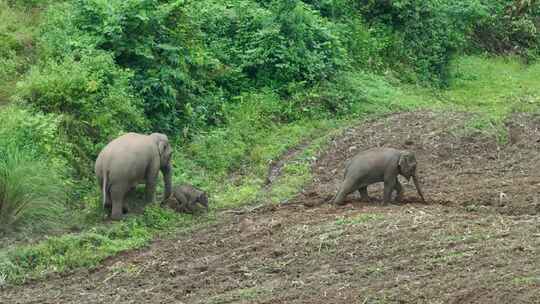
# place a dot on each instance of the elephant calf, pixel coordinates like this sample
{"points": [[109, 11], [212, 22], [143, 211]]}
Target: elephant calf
{"points": [[378, 165], [185, 198]]}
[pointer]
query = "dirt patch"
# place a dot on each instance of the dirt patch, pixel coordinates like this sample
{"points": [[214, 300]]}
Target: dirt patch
{"points": [[457, 165], [446, 251]]}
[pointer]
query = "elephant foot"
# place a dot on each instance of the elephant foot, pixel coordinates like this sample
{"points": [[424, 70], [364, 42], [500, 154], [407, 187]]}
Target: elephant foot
{"points": [[117, 217], [367, 199], [341, 203]]}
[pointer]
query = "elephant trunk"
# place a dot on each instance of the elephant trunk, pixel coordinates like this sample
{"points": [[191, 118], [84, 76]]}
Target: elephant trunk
{"points": [[167, 181], [418, 188]]}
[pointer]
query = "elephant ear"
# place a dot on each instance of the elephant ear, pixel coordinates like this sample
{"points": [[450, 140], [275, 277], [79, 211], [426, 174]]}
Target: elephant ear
{"points": [[203, 200], [407, 164], [164, 148]]}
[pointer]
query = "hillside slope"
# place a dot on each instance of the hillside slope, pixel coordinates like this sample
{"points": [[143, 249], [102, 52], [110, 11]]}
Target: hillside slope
{"points": [[476, 241]]}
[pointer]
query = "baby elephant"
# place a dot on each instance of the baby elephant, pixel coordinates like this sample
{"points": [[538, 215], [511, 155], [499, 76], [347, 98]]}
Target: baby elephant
{"points": [[378, 165], [184, 198]]}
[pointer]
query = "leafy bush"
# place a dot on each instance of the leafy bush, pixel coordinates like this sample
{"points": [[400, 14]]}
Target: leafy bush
{"points": [[154, 39], [92, 98], [32, 186], [510, 26], [425, 34], [273, 45]]}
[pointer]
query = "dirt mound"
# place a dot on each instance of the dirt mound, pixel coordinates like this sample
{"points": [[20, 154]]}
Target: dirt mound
{"points": [[358, 253], [457, 165]]}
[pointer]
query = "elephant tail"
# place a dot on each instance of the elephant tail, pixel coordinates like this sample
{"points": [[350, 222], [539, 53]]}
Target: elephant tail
{"points": [[105, 187]]}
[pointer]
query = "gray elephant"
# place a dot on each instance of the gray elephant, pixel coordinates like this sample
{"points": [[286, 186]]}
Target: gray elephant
{"points": [[185, 198], [129, 160], [378, 165]]}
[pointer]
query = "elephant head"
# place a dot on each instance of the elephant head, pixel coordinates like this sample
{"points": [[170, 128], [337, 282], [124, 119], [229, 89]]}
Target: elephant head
{"points": [[203, 200], [407, 168], [165, 154]]}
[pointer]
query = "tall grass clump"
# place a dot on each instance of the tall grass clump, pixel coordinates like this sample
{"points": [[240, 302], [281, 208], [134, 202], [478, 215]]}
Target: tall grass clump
{"points": [[33, 181], [31, 194]]}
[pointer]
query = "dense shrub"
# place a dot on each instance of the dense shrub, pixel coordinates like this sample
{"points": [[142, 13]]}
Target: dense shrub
{"points": [[153, 39], [510, 26], [272, 45], [92, 97], [425, 34]]}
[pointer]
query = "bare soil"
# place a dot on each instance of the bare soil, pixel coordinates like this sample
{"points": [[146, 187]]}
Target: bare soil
{"points": [[477, 240]]}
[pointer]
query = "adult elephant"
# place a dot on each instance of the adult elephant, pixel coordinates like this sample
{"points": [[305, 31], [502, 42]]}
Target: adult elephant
{"points": [[129, 160]]}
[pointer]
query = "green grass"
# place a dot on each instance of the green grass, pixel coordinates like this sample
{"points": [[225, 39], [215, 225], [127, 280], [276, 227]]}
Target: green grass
{"points": [[494, 88], [87, 249]]}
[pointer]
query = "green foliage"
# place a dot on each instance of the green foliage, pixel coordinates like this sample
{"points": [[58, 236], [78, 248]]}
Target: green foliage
{"points": [[274, 45], [91, 96], [424, 34], [495, 87], [17, 30], [335, 97], [511, 26], [153, 39], [249, 123], [32, 193]]}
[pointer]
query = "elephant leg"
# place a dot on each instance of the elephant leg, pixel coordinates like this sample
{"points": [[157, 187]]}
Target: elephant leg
{"points": [[346, 188], [150, 191], [399, 191], [117, 195], [151, 184], [389, 186], [108, 204], [364, 194]]}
